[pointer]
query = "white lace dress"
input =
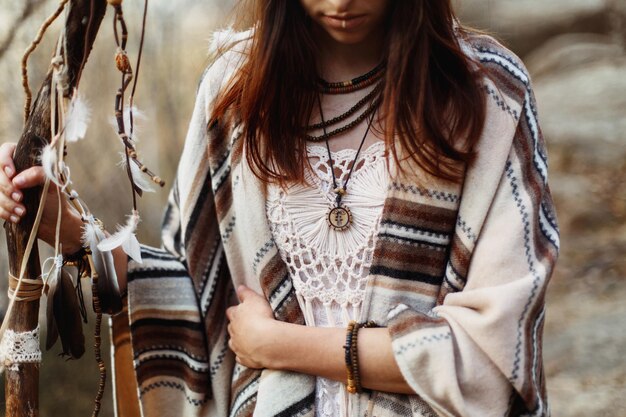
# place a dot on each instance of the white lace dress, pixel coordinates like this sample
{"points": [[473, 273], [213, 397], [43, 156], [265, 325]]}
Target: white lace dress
{"points": [[329, 268]]}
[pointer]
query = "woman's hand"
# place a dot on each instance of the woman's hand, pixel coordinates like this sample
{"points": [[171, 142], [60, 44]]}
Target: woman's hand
{"points": [[11, 208], [253, 330]]}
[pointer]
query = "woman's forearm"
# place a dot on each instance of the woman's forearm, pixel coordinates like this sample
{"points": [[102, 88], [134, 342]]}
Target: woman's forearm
{"points": [[319, 351]]}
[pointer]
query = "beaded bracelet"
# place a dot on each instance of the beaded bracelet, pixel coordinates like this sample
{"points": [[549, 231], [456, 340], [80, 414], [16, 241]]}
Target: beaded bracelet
{"points": [[348, 357], [351, 355]]}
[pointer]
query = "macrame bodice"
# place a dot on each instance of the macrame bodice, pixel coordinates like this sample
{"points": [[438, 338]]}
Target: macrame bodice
{"points": [[329, 268]]}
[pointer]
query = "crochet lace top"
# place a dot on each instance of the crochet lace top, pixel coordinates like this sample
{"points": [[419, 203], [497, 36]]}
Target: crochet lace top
{"points": [[329, 268]]}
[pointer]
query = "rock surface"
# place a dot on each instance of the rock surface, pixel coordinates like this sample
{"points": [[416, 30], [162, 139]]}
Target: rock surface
{"points": [[524, 24]]}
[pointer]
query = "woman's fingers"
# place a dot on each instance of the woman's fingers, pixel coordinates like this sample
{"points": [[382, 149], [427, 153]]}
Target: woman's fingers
{"points": [[7, 187], [10, 210], [6, 158], [7, 170], [30, 177], [229, 313], [244, 292], [10, 197]]}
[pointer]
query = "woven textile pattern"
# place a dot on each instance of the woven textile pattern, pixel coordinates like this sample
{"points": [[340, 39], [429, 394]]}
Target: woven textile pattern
{"points": [[458, 274]]}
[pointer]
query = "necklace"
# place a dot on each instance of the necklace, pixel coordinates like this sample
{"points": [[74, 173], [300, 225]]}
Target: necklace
{"points": [[357, 83], [327, 135], [339, 217], [360, 82], [360, 104]]}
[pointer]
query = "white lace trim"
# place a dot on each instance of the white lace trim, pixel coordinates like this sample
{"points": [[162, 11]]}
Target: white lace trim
{"points": [[329, 268], [19, 347]]}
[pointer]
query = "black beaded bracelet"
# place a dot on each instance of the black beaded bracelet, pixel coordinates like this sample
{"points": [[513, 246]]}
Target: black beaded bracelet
{"points": [[353, 384], [348, 357]]}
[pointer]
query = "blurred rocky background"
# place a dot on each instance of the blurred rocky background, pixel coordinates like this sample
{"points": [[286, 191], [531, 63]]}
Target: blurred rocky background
{"points": [[575, 52]]}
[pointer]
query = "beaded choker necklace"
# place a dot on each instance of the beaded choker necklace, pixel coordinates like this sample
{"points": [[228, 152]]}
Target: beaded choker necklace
{"points": [[357, 83], [330, 128]]}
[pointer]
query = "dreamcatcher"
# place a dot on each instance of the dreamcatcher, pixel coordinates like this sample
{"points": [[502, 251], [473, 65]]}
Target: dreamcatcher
{"points": [[69, 118]]}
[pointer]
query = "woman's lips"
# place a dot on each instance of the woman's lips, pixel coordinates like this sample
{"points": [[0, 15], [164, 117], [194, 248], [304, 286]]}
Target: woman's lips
{"points": [[346, 22]]}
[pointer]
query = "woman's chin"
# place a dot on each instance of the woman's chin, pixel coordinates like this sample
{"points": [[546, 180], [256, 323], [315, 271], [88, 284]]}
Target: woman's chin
{"points": [[347, 37]]}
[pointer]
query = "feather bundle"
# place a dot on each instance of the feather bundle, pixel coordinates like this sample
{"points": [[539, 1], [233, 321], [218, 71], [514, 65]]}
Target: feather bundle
{"points": [[77, 119], [139, 178], [63, 315], [125, 237], [108, 288]]}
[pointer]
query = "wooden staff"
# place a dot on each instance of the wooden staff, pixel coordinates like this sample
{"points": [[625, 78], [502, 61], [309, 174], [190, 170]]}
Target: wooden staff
{"points": [[21, 385]]}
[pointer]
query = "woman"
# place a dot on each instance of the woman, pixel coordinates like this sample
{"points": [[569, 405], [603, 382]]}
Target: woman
{"points": [[396, 228]]}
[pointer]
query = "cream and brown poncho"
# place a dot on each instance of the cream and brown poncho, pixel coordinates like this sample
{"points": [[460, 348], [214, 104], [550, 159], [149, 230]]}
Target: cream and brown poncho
{"points": [[465, 316]]}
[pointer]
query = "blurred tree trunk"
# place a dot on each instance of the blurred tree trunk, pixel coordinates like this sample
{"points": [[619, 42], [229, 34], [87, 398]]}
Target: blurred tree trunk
{"points": [[21, 388], [28, 8]]}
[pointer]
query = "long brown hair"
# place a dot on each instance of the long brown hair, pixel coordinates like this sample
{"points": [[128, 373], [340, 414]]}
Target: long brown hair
{"points": [[432, 110]]}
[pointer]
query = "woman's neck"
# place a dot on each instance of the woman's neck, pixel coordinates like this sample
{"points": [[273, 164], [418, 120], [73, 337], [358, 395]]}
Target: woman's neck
{"points": [[340, 61]]}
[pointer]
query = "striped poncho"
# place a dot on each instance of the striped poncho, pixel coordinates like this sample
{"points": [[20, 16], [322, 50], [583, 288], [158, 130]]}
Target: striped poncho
{"points": [[458, 277]]}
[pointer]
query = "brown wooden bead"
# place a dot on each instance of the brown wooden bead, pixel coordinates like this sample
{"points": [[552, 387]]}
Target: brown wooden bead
{"points": [[121, 62]]}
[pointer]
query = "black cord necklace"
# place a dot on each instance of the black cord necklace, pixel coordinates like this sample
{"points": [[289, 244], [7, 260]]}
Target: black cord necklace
{"points": [[339, 217], [349, 126], [375, 93]]}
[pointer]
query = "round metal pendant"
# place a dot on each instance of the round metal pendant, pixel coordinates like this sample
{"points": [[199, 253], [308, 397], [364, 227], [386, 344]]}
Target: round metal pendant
{"points": [[339, 218]]}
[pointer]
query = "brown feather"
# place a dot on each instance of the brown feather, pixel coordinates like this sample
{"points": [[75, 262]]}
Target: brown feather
{"points": [[52, 334], [67, 317], [108, 289]]}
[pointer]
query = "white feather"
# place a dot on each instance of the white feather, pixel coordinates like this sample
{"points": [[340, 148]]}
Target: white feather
{"points": [[91, 233], [124, 237], [132, 248], [138, 115], [140, 178], [77, 119], [49, 163]]}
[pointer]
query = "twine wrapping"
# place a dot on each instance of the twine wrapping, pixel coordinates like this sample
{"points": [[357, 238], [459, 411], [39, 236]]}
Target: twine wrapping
{"points": [[29, 289]]}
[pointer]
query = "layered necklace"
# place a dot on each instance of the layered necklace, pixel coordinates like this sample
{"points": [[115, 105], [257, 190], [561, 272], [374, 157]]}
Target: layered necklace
{"points": [[339, 216]]}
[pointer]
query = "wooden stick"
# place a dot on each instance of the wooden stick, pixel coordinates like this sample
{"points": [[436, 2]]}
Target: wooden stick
{"points": [[21, 387]]}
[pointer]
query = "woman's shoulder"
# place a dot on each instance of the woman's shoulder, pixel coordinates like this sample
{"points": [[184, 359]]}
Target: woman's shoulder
{"points": [[227, 40], [491, 53], [228, 50], [500, 65]]}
